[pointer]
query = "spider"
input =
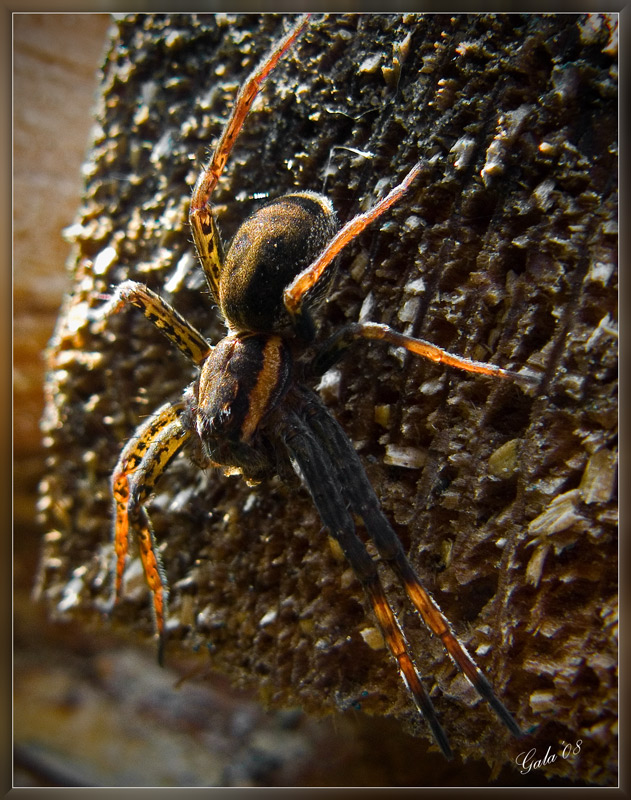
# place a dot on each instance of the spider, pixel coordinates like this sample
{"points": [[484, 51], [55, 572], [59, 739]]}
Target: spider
{"points": [[250, 410]]}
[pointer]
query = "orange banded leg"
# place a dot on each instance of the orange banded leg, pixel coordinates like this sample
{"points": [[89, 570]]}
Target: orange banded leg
{"points": [[201, 217], [319, 474], [170, 322], [299, 288], [437, 623], [142, 462], [340, 341], [348, 473], [399, 648]]}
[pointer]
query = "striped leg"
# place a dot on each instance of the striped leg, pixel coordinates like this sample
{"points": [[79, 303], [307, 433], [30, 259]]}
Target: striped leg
{"points": [[201, 217], [360, 496], [300, 287], [321, 479], [172, 324], [142, 462], [334, 348]]}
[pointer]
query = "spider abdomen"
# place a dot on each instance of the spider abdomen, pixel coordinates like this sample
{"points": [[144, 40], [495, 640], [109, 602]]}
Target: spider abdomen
{"points": [[272, 246], [240, 382]]}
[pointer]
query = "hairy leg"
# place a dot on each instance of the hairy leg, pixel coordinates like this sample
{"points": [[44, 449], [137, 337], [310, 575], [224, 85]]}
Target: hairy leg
{"points": [[300, 287], [359, 494], [322, 481], [142, 462], [166, 319], [201, 216], [335, 347]]}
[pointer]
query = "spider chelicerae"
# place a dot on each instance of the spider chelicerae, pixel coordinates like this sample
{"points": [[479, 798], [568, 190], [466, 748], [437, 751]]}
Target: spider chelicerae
{"points": [[247, 412]]}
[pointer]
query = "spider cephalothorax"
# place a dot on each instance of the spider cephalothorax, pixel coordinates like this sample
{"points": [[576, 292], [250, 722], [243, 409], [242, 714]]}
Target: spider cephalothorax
{"points": [[247, 412]]}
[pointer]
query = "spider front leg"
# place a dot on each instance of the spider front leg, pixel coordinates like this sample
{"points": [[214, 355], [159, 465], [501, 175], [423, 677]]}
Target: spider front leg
{"points": [[349, 473], [329, 495], [201, 216], [143, 460]]}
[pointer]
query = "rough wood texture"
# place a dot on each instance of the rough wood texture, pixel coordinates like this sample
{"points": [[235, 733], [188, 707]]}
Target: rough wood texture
{"points": [[504, 251]]}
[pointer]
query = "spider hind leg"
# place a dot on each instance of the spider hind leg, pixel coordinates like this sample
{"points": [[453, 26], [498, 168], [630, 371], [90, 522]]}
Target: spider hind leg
{"points": [[142, 462], [201, 216], [299, 289]]}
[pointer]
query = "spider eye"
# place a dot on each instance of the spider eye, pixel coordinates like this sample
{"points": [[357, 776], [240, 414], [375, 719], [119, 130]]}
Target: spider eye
{"points": [[271, 247]]}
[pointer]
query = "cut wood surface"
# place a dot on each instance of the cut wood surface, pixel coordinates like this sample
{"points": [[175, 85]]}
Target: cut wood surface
{"points": [[505, 250]]}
